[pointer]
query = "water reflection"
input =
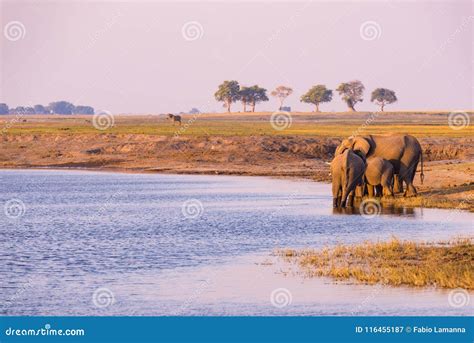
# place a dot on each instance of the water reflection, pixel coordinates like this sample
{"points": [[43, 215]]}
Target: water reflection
{"points": [[388, 209]]}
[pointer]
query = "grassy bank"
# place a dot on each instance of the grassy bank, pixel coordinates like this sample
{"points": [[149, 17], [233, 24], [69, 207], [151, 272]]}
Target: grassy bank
{"points": [[462, 199], [240, 144], [255, 124], [445, 264]]}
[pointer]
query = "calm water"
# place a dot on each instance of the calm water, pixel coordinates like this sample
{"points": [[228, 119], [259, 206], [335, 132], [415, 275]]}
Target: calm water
{"points": [[91, 243]]}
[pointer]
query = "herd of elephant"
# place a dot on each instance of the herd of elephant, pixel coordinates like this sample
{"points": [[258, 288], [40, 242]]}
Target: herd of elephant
{"points": [[375, 165]]}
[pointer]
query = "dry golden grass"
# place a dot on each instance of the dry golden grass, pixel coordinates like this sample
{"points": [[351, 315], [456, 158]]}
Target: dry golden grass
{"points": [[437, 199], [446, 264]]}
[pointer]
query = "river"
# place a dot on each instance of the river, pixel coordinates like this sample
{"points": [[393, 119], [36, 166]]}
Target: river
{"points": [[100, 243]]}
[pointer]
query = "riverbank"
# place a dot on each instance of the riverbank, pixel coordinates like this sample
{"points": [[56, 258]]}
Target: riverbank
{"points": [[240, 144], [395, 262]]}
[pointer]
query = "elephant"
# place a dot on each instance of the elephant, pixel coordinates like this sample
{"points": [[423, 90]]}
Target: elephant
{"points": [[379, 173], [402, 151], [347, 170], [174, 118]]}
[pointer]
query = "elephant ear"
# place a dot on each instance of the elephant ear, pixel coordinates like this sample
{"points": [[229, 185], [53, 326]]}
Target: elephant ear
{"points": [[345, 144], [339, 150], [361, 144]]}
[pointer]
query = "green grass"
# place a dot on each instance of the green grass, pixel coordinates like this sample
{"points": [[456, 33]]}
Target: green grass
{"points": [[239, 128]]}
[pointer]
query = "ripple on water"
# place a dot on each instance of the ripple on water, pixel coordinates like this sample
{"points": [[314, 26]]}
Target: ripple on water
{"points": [[81, 230]]}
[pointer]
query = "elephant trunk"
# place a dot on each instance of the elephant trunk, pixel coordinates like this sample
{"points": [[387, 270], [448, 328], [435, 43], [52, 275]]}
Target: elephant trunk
{"points": [[345, 182], [422, 175]]}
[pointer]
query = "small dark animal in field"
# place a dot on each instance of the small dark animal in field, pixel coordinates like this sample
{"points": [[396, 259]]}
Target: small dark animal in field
{"points": [[174, 118]]}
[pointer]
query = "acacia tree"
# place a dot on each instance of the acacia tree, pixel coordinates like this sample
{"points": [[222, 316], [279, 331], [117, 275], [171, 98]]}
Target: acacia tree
{"points": [[257, 95], [351, 92], [228, 92], [316, 95], [245, 96], [382, 97], [281, 93]]}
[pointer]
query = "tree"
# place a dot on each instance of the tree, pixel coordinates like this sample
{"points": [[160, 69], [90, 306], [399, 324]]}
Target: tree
{"points": [[316, 95], [252, 96], [17, 110], [40, 109], [4, 109], [83, 109], [245, 95], [351, 93], [29, 110], [228, 92], [281, 93], [258, 94], [194, 110], [62, 107], [383, 96]]}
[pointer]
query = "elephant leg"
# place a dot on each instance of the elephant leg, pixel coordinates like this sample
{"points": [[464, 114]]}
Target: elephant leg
{"points": [[359, 192], [398, 184], [387, 185], [387, 191], [408, 174], [411, 191], [378, 190], [345, 194], [336, 194], [370, 191], [343, 201], [351, 199]]}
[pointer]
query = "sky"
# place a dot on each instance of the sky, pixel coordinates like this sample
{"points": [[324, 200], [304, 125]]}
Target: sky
{"points": [[170, 56]]}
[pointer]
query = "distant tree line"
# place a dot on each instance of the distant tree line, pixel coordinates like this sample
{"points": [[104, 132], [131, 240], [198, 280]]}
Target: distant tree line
{"points": [[351, 93], [57, 107], [230, 92]]}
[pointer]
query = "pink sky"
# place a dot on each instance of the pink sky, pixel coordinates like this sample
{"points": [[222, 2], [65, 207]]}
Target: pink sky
{"points": [[133, 56]]}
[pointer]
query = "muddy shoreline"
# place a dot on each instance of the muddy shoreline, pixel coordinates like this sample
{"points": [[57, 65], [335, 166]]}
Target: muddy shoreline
{"points": [[69, 143], [460, 198]]}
